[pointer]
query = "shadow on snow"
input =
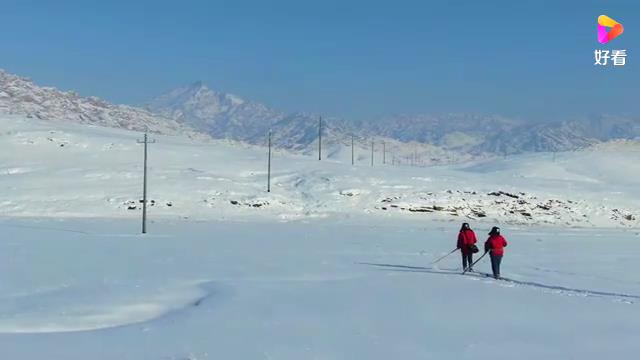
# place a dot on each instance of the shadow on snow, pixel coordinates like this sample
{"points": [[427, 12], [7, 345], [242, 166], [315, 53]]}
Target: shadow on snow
{"points": [[584, 292]]}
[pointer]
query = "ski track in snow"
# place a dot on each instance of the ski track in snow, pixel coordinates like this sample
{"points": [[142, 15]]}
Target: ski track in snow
{"points": [[298, 290], [295, 287], [504, 281]]}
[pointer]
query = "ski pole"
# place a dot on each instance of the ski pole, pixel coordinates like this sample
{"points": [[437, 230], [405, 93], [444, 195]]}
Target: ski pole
{"points": [[452, 251], [475, 262]]}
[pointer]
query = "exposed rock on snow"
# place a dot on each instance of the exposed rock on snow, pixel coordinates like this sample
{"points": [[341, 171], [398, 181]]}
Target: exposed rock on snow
{"points": [[516, 209]]}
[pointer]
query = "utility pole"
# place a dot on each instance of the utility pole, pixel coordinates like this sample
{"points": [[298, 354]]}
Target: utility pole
{"points": [[384, 153], [320, 138], [371, 152], [269, 166], [146, 141], [352, 151]]}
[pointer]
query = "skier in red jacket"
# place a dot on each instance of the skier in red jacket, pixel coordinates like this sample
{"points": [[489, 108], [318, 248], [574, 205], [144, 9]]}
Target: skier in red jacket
{"points": [[495, 244], [466, 244]]}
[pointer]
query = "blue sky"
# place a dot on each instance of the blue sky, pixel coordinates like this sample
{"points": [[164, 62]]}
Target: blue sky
{"points": [[355, 59]]}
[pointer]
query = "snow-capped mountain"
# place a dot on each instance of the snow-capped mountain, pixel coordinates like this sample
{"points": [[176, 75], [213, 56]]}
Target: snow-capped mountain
{"points": [[606, 127], [21, 96], [456, 135], [563, 136], [495, 134], [228, 116], [449, 130], [219, 114], [419, 139]]}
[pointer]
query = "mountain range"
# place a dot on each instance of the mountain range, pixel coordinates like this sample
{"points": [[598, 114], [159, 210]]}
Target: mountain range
{"points": [[21, 96], [228, 116], [199, 111]]}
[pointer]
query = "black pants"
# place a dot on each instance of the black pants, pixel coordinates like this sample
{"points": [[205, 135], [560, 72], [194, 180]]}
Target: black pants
{"points": [[467, 259], [495, 264]]}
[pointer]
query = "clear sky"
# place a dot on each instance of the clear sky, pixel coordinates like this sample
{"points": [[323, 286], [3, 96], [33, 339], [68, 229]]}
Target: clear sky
{"points": [[355, 59]]}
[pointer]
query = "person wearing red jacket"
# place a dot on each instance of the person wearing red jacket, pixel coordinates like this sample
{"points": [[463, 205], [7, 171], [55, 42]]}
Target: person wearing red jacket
{"points": [[466, 244], [495, 245]]}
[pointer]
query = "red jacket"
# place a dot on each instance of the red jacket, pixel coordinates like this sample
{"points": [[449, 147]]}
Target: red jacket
{"points": [[496, 243], [465, 239]]}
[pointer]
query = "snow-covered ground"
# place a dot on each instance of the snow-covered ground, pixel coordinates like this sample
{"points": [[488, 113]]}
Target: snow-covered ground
{"points": [[55, 170], [318, 289], [334, 263]]}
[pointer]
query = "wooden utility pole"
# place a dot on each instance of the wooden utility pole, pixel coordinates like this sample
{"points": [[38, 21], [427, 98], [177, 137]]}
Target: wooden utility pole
{"points": [[352, 152], [146, 141], [320, 138], [372, 152], [269, 165], [384, 153]]}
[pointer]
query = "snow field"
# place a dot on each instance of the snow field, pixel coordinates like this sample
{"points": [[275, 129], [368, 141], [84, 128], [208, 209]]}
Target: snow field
{"points": [[59, 170], [78, 289]]}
